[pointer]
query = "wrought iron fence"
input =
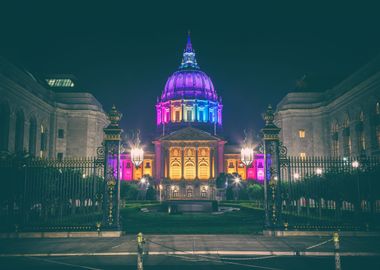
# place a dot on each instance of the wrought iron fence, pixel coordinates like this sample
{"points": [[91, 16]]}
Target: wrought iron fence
{"points": [[41, 194], [326, 192]]}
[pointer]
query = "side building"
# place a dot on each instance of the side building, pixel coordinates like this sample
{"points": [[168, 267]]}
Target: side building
{"points": [[342, 121], [49, 118]]}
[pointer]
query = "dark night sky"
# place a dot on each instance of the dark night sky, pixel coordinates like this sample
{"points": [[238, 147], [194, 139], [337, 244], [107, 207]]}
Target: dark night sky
{"points": [[254, 53]]}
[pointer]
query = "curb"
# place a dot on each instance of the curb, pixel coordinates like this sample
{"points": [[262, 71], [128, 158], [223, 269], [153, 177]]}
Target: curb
{"points": [[60, 234], [320, 233]]}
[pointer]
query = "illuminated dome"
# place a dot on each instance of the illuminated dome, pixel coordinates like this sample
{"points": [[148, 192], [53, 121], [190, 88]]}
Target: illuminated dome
{"points": [[190, 84], [189, 97]]}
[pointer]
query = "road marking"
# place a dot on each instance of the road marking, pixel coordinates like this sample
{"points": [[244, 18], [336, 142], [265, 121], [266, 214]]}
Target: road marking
{"points": [[198, 252], [63, 263]]}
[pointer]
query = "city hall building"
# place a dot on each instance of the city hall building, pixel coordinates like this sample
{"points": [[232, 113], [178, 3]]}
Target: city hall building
{"points": [[47, 118], [53, 118], [341, 121]]}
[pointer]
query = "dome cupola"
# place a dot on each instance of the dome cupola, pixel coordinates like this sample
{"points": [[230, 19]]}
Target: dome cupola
{"points": [[189, 96]]}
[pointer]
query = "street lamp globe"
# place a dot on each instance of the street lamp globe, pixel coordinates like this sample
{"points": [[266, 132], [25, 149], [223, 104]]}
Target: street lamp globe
{"points": [[318, 171], [355, 164], [296, 176], [137, 156], [247, 156], [236, 180], [143, 180]]}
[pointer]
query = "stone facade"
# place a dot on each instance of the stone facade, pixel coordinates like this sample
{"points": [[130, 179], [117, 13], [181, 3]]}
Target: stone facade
{"points": [[47, 121], [342, 121]]}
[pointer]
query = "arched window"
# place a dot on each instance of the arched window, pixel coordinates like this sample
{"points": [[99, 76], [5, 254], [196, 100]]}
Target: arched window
{"points": [[377, 108], [4, 127], [346, 136], [19, 135], [335, 138], [43, 142], [32, 136], [361, 134]]}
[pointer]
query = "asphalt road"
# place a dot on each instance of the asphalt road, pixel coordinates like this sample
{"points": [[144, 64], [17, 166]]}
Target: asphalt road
{"points": [[187, 263], [190, 252]]}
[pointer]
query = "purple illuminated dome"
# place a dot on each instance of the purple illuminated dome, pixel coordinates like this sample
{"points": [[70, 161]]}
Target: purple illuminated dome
{"points": [[189, 84], [189, 81], [189, 97]]}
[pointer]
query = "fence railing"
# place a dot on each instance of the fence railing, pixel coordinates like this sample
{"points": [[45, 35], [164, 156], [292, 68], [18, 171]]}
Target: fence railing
{"points": [[40, 194], [325, 192]]}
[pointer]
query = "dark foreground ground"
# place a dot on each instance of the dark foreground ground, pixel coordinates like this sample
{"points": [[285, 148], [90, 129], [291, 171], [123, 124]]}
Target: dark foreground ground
{"points": [[187, 263], [190, 252]]}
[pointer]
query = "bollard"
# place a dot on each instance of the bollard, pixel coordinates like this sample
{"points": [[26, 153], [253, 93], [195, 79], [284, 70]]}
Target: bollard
{"points": [[336, 251], [140, 250]]}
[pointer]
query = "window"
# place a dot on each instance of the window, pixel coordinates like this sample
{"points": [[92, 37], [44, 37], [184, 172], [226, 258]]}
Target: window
{"points": [[335, 139], [301, 133], [378, 136], [177, 119], [189, 116], [61, 133], [303, 155], [360, 130], [200, 119], [59, 156], [378, 108], [147, 165], [346, 137]]}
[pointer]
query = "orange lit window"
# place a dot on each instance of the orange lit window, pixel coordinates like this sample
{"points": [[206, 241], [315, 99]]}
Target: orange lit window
{"points": [[301, 133]]}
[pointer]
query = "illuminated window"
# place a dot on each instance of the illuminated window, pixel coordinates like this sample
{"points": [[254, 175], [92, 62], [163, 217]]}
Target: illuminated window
{"points": [[177, 116], [301, 133], [60, 82], [303, 155], [378, 108]]}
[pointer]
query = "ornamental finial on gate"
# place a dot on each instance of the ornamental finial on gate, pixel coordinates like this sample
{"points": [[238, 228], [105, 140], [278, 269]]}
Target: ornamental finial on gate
{"points": [[114, 116], [269, 116]]}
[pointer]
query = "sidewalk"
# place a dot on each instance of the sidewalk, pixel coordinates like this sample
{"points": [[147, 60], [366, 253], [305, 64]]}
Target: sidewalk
{"points": [[247, 245]]}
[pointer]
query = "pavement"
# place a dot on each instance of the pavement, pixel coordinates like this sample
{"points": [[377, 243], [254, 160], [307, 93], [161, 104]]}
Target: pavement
{"points": [[191, 244], [190, 252]]}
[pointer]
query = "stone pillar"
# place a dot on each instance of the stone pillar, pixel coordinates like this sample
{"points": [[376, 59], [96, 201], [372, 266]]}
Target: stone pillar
{"points": [[112, 132], [158, 160], [273, 200], [196, 162], [220, 158]]}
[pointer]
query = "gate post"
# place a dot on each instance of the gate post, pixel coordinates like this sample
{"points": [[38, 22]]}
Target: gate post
{"points": [[111, 201], [272, 196]]}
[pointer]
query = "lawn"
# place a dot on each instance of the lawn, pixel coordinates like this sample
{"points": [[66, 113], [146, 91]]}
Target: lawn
{"points": [[245, 221]]}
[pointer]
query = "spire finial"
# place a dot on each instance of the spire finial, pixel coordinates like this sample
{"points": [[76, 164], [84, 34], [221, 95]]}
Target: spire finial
{"points": [[189, 46], [188, 60]]}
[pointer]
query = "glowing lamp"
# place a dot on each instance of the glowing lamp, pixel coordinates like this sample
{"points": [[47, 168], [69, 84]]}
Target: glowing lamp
{"points": [[355, 164], [143, 180], [247, 156], [296, 176], [137, 156], [318, 171]]}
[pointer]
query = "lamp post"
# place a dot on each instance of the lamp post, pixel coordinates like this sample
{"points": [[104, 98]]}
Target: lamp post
{"points": [[137, 156], [355, 164], [246, 156]]}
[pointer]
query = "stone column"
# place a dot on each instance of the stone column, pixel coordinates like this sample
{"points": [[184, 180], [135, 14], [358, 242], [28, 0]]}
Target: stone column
{"points": [[196, 162], [220, 157], [112, 132], [158, 160]]}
